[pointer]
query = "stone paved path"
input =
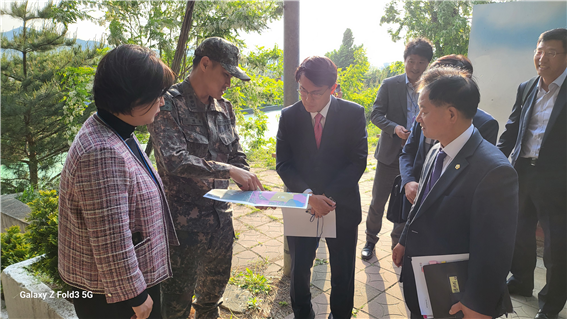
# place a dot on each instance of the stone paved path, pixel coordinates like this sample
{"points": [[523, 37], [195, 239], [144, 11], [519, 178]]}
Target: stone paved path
{"points": [[377, 292]]}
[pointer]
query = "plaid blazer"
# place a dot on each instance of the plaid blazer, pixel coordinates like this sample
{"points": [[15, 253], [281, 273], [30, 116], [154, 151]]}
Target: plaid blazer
{"points": [[106, 194]]}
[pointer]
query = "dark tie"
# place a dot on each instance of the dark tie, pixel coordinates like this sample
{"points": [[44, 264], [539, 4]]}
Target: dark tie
{"points": [[318, 128], [436, 173]]}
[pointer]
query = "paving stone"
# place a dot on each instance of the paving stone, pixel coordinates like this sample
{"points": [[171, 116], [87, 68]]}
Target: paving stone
{"points": [[388, 264], [272, 229], [255, 219], [386, 306], [246, 258], [273, 269], [321, 277], [251, 238], [360, 264], [235, 299], [271, 249], [363, 293], [376, 279], [237, 248]]}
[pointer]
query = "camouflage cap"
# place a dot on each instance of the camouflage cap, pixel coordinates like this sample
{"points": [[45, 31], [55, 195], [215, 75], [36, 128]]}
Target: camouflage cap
{"points": [[224, 52]]}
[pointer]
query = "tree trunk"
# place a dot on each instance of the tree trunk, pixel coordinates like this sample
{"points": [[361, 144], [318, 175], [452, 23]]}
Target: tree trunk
{"points": [[179, 52]]}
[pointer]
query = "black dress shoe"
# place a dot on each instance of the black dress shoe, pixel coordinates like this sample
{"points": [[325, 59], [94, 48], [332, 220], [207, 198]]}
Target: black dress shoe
{"points": [[543, 315], [368, 251], [514, 288]]}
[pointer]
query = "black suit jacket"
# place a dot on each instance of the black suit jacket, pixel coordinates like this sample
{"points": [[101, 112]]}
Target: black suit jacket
{"points": [[473, 209], [413, 153], [552, 156], [336, 167]]}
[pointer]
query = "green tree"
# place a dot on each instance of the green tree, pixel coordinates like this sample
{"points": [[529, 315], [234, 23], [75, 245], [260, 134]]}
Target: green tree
{"points": [[445, 23], [265, 68], [157, 24], [344, 56], [44, 91]]}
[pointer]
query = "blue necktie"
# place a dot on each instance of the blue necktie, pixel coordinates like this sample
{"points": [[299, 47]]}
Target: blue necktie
{"points": [[436, 173]]}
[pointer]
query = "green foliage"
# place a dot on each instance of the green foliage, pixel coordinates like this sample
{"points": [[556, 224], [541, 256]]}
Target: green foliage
{"points": [[397, 68], [252, 282], [344, 56], [283, 303], [319, 262], [15, 247], [43, 234], [157, 24], [445, 23], [254, 303], [28, 195], [351, 80], [265, 68], [45, 87]]}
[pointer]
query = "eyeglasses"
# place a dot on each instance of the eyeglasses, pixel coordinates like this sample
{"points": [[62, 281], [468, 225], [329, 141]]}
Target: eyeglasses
{"points": [[550, 54], [314, 94]]}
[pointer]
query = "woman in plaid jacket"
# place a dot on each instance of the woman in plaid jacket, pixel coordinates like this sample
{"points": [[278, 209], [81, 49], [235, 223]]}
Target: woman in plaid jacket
{"points": [[114, 222]]}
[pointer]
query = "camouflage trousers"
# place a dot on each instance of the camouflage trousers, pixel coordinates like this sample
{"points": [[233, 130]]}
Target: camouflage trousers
{"points": [[201, 267]]}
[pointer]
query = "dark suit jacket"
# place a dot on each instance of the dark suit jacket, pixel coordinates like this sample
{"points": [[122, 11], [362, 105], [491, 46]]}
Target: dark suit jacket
{"points": [[389, 111], [336, 167], [413, 153], [552, 155], [472, 209]]}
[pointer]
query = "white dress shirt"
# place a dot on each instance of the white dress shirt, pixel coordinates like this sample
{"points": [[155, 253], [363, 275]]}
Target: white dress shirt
{"points": [[323, 112], [453, 148], [545, 100]]}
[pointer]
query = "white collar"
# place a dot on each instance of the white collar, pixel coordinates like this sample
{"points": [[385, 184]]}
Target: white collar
{"points": [[453, 148], [558, 81], [323, 111]]}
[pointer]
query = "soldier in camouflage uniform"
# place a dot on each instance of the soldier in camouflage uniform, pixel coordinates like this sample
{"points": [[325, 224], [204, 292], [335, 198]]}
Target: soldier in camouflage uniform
{"points": [[197, 149]]}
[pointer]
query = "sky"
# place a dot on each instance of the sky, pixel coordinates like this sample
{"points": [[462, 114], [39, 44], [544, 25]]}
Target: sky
{"points": [[322, 24]]}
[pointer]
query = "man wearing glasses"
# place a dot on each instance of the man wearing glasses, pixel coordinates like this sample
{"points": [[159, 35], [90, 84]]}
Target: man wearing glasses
{"points": [[535, 136], [322, 149], [394, 112]]}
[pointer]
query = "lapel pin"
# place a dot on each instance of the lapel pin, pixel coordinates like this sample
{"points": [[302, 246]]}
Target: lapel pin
{"points": [[457, 166]]}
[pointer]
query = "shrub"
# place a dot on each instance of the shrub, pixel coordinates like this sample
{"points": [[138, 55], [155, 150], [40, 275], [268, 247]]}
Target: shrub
{"points": [[15, 247], [43, 235]]}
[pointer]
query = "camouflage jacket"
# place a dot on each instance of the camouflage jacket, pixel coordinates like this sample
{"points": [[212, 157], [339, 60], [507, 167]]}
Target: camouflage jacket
{"points": [[194, 144]]}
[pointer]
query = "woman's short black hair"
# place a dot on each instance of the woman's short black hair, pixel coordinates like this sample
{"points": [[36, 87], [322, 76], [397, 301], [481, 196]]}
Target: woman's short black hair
{"points": [[421, 47], [129, 76], [318, 69]]}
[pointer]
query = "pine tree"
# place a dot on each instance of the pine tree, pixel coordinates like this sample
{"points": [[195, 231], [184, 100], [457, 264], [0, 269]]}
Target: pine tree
{"points": [[345, 55], [43, 85]]}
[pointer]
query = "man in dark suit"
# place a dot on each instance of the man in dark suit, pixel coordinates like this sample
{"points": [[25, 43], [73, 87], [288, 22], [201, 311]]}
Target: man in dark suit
{"points": [[394, 112], [322, 149], [467, 200], [417, 146], [536, 135]]}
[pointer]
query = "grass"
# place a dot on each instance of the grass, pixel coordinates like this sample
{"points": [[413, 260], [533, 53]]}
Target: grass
{"points": [[283, 303], [272, 217], [251, 281], [254, 303], [321, 261]]}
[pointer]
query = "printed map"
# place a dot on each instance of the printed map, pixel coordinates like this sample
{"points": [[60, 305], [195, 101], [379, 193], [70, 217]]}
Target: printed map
{"points": [[260, 198]]}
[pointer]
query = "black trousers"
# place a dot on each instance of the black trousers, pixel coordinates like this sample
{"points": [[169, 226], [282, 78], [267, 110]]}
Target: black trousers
{"points": [[542, 198], [342, 253], [97, 307]]}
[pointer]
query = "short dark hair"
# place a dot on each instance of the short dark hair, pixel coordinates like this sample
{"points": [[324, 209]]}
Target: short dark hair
{"points": [[559, 34], [318, 69], [419, 46], [128, 76], [455, 61], [448, 85]]}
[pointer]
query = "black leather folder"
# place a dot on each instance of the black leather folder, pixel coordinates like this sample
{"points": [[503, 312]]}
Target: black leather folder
{"points": [[446, 284]]}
